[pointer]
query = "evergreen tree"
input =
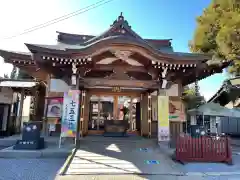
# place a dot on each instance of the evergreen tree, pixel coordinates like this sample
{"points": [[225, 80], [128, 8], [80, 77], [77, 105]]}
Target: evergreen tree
{"points": [[14, 74], [23, 75], [218, 33], [191, 97]]}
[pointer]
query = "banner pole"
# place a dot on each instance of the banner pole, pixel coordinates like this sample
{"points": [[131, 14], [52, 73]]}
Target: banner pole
{"points": [[60, 141]]}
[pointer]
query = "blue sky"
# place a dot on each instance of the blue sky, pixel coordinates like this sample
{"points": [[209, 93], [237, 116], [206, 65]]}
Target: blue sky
{"points": [[160, 19]]}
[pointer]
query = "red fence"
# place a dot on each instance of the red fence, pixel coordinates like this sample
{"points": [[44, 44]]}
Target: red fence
{"points": [[203, 149]]}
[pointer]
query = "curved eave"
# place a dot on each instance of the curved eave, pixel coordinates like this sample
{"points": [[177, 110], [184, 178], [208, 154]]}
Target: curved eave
{"points": [[205, 72], [226, 83], [216, 95], [108, 42], [80, 38], [224, 96], [73, 35], [36, 48], [10, 56]]}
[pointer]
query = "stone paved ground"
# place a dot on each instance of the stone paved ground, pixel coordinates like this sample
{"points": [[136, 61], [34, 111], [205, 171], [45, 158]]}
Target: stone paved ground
{"points": [[121, 157], [29, 169], [118, 157], [46, 169], [149, 177], [213, 168]]}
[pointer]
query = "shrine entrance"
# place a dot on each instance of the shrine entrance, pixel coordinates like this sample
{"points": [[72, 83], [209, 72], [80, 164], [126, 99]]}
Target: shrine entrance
{"points": [[110, 106]]}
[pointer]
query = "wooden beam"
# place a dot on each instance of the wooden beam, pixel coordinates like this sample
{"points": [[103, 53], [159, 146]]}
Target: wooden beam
{"points": [[110, 67], [101, 82]]}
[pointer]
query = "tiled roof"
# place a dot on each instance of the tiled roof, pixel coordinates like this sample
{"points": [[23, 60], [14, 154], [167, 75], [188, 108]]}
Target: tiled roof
{"points": [[226, 84], [16, 54]]}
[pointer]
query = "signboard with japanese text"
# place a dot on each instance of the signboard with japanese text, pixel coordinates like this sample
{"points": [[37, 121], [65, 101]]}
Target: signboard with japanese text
{"points": [[70, 113]]}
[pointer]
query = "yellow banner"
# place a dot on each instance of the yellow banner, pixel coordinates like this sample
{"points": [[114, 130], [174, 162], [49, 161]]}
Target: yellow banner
{"points": [[163, 111]]}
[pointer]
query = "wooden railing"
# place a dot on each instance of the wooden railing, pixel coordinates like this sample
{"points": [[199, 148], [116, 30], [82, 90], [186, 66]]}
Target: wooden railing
{"points": [[203, 149]]}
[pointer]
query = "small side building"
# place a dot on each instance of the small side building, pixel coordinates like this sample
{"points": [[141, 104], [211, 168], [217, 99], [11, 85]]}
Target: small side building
{"points": [[20, 101], [229, 93], [229, 96]]}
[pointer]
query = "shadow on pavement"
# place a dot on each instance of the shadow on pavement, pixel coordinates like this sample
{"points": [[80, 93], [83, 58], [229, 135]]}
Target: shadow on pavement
{"points": [[67, 163], [116, 156]]}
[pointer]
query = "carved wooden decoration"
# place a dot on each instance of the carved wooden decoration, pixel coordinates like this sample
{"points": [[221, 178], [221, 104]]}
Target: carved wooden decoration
{"points": [[112, 60], [116, 89], [119, 74], [124, 55]]}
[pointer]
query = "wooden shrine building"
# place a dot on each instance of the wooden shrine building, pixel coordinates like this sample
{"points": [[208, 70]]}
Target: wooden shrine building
{"points": [[115, 69]]}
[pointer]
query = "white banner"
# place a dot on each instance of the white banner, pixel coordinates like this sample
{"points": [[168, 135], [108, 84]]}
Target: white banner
{"points": [[70, 113]]}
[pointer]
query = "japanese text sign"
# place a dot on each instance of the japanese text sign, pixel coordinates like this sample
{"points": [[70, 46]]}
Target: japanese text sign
{"points": [[70, 113]]}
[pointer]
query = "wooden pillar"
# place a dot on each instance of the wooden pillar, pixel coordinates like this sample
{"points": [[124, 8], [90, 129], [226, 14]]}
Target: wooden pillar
{"points": [[86, 113], [144, 119], [115, 107], [82, 106], [149, 104], [132, 127], [45, 120], [99, 113], [40, 101], [141, 114]]}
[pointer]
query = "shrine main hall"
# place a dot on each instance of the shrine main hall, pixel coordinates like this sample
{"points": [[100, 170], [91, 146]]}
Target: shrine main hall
{"points": [[120, 74]]}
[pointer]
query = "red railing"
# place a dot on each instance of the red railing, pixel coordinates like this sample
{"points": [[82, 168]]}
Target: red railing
{"points": [[203, 149]]}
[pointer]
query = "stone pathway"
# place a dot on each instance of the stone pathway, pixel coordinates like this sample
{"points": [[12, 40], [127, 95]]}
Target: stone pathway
{"points": [[121, 157]]}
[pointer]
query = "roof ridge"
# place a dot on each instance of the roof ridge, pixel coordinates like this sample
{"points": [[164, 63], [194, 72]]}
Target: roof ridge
{"points": [[120, 22]]}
